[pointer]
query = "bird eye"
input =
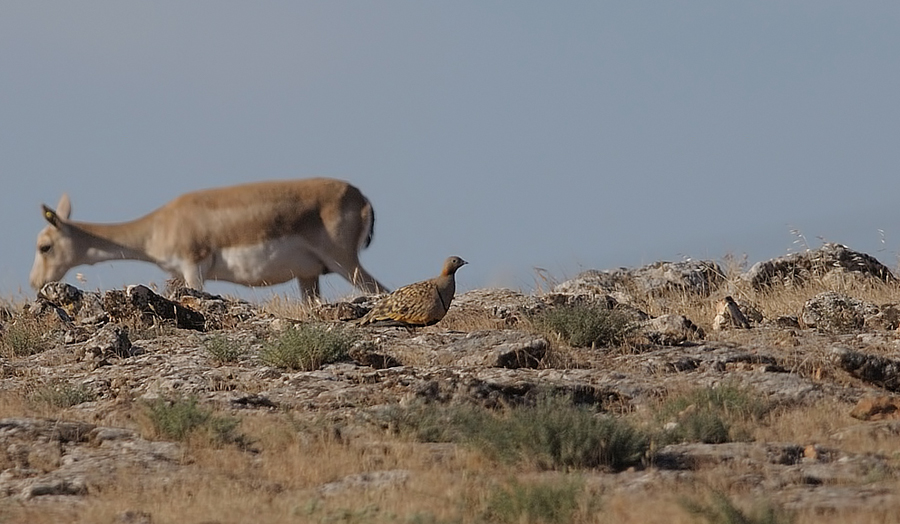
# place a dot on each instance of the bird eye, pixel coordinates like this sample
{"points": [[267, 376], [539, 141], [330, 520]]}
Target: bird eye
{"points": [[45, 248]]}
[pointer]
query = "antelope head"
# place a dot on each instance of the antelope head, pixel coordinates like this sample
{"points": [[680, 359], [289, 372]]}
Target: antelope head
{"points": [[55, 253]]}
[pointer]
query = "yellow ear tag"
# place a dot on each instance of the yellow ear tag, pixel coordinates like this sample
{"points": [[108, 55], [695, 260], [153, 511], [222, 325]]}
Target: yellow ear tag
{"points": [[48, 214]]}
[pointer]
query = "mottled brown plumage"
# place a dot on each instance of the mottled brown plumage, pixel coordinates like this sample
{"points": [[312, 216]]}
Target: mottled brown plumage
{"points": [[420, 304]]}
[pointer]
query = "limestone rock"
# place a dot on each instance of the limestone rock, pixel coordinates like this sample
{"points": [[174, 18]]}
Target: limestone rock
{"points": [[670, 330], [367, 355], [338, 311], [134, 517], [879, 430], [54, 486], [54, 462], [110, 341], [140, 302], [63, 295], [692, 456], [253, 401], [877, 408], [365, 481], [881, 371], [506, 305], [149, 303], [887, 318], [797, 268], [787, 322], [82, 459], [832, 312], [512, 355], [81, 306], [690, 276], [217, 311]]}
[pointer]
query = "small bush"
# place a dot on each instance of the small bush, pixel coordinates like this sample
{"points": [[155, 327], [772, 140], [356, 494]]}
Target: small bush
{"points": [[142, 329], [223, 349], [63, 395], [721, 510], [307, 347], [223, 430], [24, 337], [710, 415], [435, 422], [552, 434], [178, 419], [543, 502], [585, 325]]}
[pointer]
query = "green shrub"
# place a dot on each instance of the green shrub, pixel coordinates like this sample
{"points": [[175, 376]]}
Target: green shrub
{"points": [[721, 510], [542, 502], [24, 337], [223, 349], [179, 418], [307, 347], [435, 422], [62, 395], [584, 325], [553, 433], [710, 415]]}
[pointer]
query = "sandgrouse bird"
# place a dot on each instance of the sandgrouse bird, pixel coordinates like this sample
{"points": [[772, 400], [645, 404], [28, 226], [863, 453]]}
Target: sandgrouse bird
{"points": [[420, 304]]}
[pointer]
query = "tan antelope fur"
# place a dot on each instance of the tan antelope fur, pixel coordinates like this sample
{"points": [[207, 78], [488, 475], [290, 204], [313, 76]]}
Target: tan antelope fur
{"points": [[254, 234]]}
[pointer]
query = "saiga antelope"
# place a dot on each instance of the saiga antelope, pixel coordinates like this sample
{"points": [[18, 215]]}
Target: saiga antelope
{"points": [[254, 234]]}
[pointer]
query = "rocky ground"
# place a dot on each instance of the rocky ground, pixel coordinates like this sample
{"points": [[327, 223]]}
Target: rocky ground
{"points": [[835, 361]]}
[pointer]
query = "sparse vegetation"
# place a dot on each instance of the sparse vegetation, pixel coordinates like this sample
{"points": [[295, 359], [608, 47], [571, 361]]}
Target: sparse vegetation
{"points": [[143, 329], [710, 415], [25, 335], [223, 349], [552, 434], [721, 509], [545, 502], [180, 418], [61, 395], [427, 422], [584, 325], [307, 346]]}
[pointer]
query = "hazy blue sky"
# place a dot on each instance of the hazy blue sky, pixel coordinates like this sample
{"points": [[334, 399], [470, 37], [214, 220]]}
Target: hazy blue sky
{"points": [[560, 135]]}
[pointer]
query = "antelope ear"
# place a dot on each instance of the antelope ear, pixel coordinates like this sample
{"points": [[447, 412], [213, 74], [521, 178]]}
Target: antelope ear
{"points": [[64, 207], [63, 210], [51, 216]]}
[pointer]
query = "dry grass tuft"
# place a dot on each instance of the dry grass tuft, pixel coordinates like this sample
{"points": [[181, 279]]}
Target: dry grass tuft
{"points": [[25, 335], [287, 307], [468, 320]]}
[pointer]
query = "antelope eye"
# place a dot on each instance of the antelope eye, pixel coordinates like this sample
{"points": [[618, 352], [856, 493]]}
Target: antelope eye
{"points": [[45, 248]]}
